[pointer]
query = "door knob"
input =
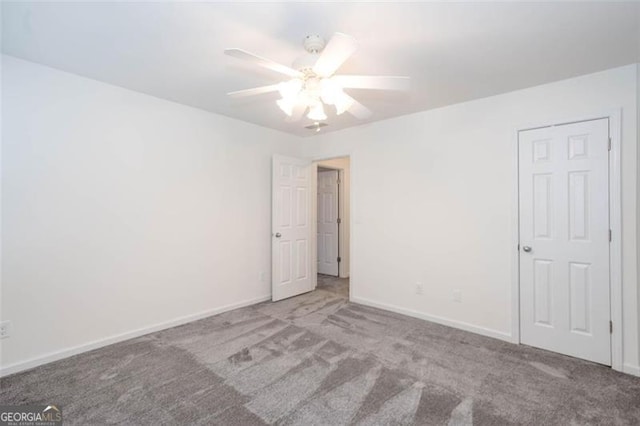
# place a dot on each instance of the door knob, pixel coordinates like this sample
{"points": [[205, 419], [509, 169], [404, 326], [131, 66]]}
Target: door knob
{"points": [[526, 249], [278, 235]]}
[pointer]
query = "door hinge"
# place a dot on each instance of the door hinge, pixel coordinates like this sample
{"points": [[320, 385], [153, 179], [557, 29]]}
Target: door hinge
{"points": [[339, 259], [609, 143], [610, 327], [610, 236], [339, 220], [338, 181]]}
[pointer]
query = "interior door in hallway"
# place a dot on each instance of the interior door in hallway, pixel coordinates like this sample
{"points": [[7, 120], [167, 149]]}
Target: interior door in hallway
{"points": [[564, 239], [328, 222], [292, 228]]}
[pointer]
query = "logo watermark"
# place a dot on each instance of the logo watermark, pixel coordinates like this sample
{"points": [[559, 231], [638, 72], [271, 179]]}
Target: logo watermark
{"points": [[30, 415]]}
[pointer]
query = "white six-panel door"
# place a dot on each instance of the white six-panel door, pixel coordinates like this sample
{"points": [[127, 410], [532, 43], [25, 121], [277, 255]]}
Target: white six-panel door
{"points": [[328, 222], [564, 239], [292, 229]]}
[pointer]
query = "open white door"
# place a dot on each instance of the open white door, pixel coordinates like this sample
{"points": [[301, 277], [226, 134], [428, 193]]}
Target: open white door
{"points": [[292, 230], [564, 239]]}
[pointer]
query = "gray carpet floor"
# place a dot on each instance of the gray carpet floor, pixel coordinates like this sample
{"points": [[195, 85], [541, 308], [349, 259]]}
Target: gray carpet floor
{"points": [[317, 359]]}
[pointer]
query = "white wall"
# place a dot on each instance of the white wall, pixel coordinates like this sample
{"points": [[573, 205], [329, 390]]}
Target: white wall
{"points": [[433, 200], [345, 209], [122, 212]]}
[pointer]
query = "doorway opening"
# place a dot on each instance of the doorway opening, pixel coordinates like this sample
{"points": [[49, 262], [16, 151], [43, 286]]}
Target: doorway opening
{"points": [[333, 225], [294, 232]]}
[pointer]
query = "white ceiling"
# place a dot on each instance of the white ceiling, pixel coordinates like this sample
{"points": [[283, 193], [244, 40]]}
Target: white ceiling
{"points": [[453, 52]]}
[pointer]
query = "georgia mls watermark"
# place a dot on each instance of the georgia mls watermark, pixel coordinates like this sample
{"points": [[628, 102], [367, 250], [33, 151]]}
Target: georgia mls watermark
{"points": [[30, 415]]}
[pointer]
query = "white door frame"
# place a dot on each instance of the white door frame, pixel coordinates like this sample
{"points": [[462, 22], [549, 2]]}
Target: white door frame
{"points": [[314, 208], [615, 218]]}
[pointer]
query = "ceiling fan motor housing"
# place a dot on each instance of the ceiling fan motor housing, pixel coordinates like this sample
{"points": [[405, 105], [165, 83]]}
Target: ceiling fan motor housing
{"points": [[313, 43]]}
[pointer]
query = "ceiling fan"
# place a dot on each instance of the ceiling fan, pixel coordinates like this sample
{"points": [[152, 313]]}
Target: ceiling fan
{"points": [[314, 83]]}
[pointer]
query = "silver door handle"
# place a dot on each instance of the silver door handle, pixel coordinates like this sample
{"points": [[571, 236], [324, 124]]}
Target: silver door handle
{"points": [[526, 249], [278, 235]]}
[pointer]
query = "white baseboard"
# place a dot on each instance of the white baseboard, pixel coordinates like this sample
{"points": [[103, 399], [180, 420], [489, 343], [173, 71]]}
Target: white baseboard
{"points": [[631, 369], [439, 320], [626, 368], [75, 350]]}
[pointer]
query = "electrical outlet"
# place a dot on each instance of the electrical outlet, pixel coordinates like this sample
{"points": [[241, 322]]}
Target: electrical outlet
{"points": [[419, 288], [457, 296], [5, 329], [261, 276]]}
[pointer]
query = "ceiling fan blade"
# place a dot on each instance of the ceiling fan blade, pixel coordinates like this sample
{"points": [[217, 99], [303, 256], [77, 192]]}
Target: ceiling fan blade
{"points": [[375, 82], [298, 112], [263, 62], [357, 109], [252, 92], [339, 49]]}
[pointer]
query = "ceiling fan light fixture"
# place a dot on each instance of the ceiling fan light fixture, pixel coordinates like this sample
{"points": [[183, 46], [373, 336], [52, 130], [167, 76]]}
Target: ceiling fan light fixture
{"points": [[343, 103], [290, 89], [316, 112], [287, 105]]}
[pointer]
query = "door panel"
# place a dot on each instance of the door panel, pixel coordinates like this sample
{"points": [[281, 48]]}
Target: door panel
{"points": [[328, 222], [542, 291], [291, 234], [564, 239], [580, 306]]}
